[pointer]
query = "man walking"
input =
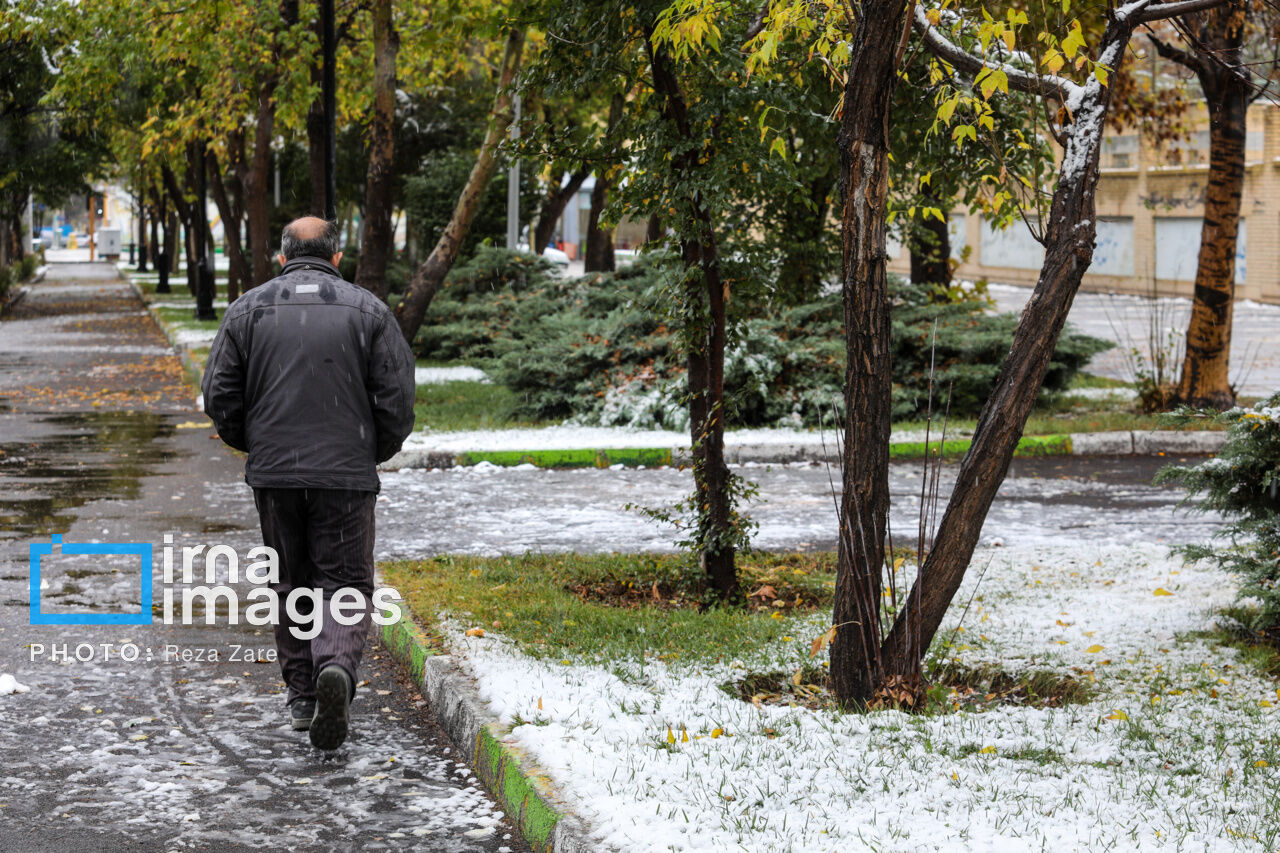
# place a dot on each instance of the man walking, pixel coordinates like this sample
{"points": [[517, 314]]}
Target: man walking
{"points": [[311, 377]]}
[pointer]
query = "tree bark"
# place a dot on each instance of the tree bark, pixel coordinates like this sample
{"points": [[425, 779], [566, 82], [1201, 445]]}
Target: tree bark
{"points": [[1205, 380], [315, 140], [428, 277], [182, 210], [142, 227], [1069, 242], [598, 256], [553, 205], [230, 228], [931, 253], [864, 505], [705, 295], [375, 247], [256, 184]]}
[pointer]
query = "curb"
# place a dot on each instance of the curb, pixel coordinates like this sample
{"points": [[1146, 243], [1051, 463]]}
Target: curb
{"points": [[524, 794], [194, 371], [1122, 443]]}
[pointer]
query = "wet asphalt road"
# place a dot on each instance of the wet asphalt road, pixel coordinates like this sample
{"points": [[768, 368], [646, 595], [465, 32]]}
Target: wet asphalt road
{"points": [[99, 441]]}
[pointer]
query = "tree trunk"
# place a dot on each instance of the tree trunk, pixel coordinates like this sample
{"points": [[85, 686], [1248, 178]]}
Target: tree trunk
{"points": [[598, 256], [1205, 380], [156, 215], [230, 228], [553, 205], [375, 247], [142, 227], [1069, 242], [256, 184], [653, 231], [428, 277], [182, 211], [864, 504], [931, 253], [315, 140], [705, 295], [800, 272]]}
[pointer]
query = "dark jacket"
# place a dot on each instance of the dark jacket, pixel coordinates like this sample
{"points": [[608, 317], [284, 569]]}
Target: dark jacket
{"points": [[312, 377]]}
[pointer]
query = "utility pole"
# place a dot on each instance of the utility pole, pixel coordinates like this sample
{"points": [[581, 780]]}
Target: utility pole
{"points": [[513, 181], [329, 90], [93, 217]]}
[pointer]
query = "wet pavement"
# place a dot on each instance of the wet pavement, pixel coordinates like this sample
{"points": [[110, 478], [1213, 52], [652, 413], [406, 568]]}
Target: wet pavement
{"points": [[1160, 325], [133, 737]]}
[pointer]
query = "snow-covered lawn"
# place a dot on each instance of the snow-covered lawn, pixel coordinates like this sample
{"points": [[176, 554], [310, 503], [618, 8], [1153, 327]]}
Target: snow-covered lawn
{"points": [[574, 437], [1176, 751]]}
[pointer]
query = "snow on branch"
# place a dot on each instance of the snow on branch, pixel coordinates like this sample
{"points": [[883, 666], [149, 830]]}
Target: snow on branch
{"points": [[1044, 85]]}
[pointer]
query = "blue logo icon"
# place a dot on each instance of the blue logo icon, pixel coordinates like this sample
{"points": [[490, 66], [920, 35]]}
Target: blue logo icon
{"points": [[39, 550]]}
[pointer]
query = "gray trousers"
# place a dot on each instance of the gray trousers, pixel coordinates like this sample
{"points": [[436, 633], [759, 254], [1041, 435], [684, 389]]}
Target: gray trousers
{"points": [[324, 539]]}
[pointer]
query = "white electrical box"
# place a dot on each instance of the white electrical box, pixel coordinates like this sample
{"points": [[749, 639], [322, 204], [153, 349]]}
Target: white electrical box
{"points": [[108, 240]]}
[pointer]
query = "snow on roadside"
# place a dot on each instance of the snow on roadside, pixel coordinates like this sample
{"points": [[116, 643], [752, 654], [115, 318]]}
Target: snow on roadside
{"points": [[9, 684], [440, 375], [576, 437], [1177, 750]]}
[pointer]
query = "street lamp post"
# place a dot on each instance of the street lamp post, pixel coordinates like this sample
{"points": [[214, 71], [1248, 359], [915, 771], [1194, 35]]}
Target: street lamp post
{"points": [[513, 181]]}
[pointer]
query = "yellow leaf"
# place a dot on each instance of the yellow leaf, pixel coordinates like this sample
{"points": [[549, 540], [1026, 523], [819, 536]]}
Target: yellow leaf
{"points": [[539, 703], [1261, 762], [715, 733], [671, 736], [1094, 649], [684, 735], [775, 615], [475, 632], [1117, 715], [1265, 703], [988, 750], [1162, 591], [934, 16]]}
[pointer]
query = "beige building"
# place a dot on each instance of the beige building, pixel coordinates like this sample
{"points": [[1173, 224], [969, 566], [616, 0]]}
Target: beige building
{"points": [[1149, 218]]}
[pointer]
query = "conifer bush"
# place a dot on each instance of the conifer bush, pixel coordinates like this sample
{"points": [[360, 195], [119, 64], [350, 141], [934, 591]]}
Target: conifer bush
{"points": [[1243, 484], [600, 349]]}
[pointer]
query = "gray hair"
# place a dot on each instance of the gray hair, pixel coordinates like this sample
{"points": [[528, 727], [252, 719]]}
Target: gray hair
{"points": [[324, 245]]}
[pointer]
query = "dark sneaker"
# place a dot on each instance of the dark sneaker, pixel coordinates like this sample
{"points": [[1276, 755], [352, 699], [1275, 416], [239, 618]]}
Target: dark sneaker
{"points": [[333, 694], [300, 714]]}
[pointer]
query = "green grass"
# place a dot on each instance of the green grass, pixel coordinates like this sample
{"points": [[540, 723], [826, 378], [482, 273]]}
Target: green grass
{"points": [[604, 607], [1258, 649], [466, 406]]}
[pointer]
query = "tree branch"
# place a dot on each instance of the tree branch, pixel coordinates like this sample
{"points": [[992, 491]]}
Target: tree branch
{"points": [[1160, 11], [758, 22], [1044, 85], [1176, 54]]}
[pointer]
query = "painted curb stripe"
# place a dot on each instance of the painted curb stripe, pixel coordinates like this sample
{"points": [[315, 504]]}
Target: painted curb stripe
{"points": [[497, 767]]}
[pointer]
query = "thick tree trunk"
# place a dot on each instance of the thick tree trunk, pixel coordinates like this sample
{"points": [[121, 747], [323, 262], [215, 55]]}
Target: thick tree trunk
{"points": [[653, 230], [1069, 244], [256, 185], [315, 142], [553, 205], [598, 256], [230, 228], [428, 277], [864, 505], [705, 295], [1205, 377], [375, 247]]}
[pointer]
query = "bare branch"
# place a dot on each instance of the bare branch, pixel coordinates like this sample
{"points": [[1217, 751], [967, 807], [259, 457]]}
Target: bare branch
{"points": [[1160, 11], [1044, 85], [1176, 54], [758, 22]]}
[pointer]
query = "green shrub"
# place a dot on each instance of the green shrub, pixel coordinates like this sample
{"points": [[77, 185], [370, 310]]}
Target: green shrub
{"points": [[6, 281], [600, 349], [1243, 484], [27, 267]]}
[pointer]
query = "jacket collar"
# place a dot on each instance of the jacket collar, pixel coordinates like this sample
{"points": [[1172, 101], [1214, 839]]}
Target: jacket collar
{"points": [[309, 263]]}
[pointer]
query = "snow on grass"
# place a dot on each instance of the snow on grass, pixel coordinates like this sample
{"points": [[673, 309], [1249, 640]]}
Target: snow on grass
{"points": [[575, 437], [1176, 750], [441, 375]]}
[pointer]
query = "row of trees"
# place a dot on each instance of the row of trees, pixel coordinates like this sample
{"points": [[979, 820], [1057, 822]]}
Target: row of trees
{"points": [[749, 136]]}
